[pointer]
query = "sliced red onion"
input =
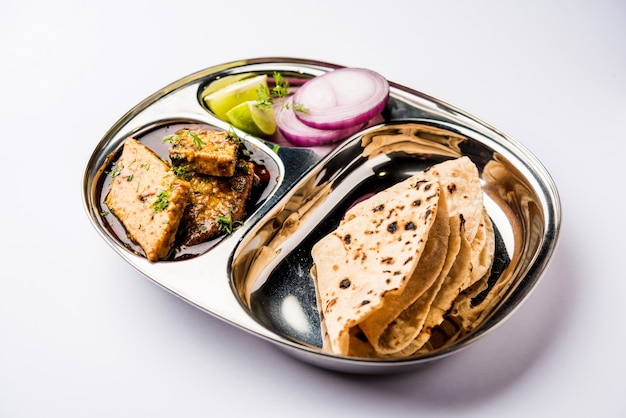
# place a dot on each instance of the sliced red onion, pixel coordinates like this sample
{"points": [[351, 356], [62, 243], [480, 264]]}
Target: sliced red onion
{"points": [[342, 98], [302, 135]]}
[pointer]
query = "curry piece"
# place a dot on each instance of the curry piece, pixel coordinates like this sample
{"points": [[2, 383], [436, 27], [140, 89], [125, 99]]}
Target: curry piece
{"points": [[148, 198], [216, 203], [206, 152]]}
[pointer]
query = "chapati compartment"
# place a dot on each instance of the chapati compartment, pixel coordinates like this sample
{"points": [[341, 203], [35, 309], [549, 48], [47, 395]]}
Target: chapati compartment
{"points": [[272, 267]]}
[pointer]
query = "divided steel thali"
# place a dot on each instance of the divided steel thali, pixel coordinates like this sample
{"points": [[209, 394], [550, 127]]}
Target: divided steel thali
{"points": [[259, 277]]}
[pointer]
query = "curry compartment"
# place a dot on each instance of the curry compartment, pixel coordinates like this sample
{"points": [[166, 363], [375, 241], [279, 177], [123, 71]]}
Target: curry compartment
{"points": [[196, 235]]}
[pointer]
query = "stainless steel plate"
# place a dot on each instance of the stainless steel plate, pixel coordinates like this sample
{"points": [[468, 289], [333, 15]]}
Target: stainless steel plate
{"points": [[259, 279]]}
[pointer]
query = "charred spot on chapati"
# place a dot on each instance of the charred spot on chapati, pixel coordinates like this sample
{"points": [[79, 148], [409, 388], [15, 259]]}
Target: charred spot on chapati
{"points": [[419, 183], [345, 283]]}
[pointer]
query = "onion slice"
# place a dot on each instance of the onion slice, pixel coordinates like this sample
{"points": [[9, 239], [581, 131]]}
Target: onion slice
{"points": [[303, 135], [342, 98]]}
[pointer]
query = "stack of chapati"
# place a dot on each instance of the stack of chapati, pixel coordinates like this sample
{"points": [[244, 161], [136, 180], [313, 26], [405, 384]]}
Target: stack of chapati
{"points": [[397, 262]]}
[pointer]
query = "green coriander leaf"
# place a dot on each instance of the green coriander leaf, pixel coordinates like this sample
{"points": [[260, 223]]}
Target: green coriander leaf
{"points": [[227, 224], [171, 139], [197, 141], [232, 135], [298, 107], [263, 97], [266, 98], [182, 171], [161, 201], [114, 172], [281, 89]]}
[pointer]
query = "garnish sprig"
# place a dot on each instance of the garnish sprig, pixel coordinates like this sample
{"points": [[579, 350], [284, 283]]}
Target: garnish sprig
{"points": [[268, 98], [227, 224]]}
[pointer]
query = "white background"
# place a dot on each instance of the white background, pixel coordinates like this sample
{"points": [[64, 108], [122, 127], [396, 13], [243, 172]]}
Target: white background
{"points": [[82, 334]]}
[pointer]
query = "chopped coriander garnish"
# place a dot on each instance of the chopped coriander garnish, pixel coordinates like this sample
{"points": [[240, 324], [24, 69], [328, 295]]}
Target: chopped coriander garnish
{"points": [[177, 159], [232, 135], [171, 139], [161, 201], [298, 107], [114, 172], [197, 141], [282, 86], [182, 171], [241, 149], [243, 168], [266, 98], [227, 224]]}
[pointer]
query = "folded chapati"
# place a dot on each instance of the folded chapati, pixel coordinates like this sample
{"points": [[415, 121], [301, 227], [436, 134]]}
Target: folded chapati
{"points": [[372, 254], [397, 262]]}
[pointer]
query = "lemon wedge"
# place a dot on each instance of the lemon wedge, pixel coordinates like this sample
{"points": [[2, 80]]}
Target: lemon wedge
{"points": [[222, 82], [250, 118], [222, 100]]}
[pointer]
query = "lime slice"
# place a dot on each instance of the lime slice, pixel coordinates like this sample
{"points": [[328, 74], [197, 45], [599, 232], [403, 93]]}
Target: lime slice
{"points": [[224, 99], [222, 82], [250, 118]]}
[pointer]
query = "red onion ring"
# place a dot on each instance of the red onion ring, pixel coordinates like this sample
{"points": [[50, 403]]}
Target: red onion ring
{"points": [[342, 98], [303, 135]]}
